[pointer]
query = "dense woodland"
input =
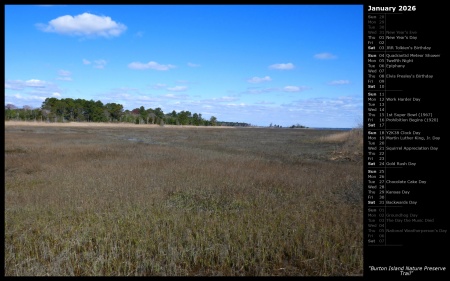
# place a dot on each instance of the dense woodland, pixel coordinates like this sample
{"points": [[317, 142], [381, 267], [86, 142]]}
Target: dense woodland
{"points": [[80, 110]]}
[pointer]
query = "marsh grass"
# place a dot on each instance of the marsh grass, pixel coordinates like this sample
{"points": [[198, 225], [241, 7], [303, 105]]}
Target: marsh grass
{"points": [[349, 145], [133, 201]]}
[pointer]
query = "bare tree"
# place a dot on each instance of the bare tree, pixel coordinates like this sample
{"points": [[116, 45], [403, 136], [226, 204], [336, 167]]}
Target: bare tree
{"points": [[10, 106]]}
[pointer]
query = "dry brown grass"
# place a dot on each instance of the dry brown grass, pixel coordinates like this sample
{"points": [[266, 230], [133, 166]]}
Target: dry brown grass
{"points": [[349, 144], [138, 201]]}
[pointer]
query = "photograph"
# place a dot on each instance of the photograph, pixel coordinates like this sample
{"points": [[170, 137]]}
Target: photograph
{"points": [[184, 140]]}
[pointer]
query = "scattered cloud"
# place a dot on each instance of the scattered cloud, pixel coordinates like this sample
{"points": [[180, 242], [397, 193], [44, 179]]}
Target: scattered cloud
{"points": [[100, 64], [294, 88], [146, 98], [32, 91], [325, 56], [64, 75], [193, 64], [220, 99], [339, 82], [27, 98], [313, 112], [256, 90], [175, 96], [259, 79], [225, 99], [158, 86], [139, 34], [341, 105], [84, 25], [324, 112], [264, 102], [20, 85], [282, 66], [62, 72], [120, 94], [35, 83], [150, 65], [177, 88], [64, 78], [129, 97], [234, 105]]}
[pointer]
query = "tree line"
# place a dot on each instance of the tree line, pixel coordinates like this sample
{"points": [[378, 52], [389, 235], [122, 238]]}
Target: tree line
{"points": [[80, 110]]}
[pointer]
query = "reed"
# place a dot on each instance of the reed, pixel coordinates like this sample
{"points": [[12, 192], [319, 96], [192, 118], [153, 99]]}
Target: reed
{"points": [[158, 201]]}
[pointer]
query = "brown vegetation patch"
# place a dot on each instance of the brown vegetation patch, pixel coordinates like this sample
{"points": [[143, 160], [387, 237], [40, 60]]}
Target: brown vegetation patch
{"points": [[349, 145], [88, 201]]}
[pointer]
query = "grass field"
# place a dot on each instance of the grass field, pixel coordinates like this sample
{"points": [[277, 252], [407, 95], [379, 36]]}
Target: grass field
{"points": [[140, 200]]}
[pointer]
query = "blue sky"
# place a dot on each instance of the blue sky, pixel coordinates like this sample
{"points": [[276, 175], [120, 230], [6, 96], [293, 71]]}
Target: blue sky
{"points": [[259, 64]]}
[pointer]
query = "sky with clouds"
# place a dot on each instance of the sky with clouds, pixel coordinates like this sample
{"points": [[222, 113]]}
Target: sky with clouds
{"points": [[259, 64]]}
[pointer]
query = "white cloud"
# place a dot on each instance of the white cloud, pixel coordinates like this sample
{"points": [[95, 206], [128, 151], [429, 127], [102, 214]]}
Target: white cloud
{"points": [[20, 85], [64, 75], [236, 104], [259, 79], [159, 86], [86, 25], [100, 64], [226, 98], [221, 99], [327, 104], [174, 96], [295, 88], [140, 34], [326, 112], [122, 95], [28, 98], [264, 102], [291, 89], [150, 65], [32, 87], [282, 66], [256, 90], [339, 82], [35, 83], [146, 98], [324, 56], [56, 94], [193, 64], [33, 99], [64, 78], [177, 88]]}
